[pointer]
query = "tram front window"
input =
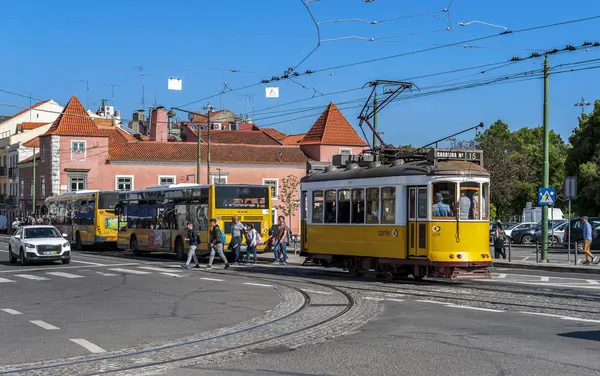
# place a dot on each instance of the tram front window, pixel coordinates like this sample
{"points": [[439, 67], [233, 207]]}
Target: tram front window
{"points": [[468, 204], [485, 198], [443, 199]]}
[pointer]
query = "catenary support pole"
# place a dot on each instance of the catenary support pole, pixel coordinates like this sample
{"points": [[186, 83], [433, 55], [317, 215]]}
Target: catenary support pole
{"points": [[546, 167], [375, 119]]}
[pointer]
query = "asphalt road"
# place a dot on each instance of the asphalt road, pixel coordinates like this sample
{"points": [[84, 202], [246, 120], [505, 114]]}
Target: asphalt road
{"points": [[111, 312]]}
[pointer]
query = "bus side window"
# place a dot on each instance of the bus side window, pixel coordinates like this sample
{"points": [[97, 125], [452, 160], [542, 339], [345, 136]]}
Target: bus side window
{"points": [[373, 205], [388, 205], [330, 213], [358, 205], [317, 207]]}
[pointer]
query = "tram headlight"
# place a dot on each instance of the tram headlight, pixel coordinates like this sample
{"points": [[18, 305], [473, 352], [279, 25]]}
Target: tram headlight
{"points": [[459, 256], [451, 257]]}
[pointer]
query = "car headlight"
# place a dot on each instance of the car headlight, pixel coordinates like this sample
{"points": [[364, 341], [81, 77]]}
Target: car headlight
{"points": [[67, 244], [29, 245]]}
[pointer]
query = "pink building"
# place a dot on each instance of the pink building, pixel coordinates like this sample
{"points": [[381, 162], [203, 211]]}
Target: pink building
{"points": [[78, 152]]}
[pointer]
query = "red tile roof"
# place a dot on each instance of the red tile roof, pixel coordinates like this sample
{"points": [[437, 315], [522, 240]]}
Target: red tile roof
{"points": [[25, 110], [34, 143], [30, 125], [236, 137], [332, 128], [220, 153], [74, 121], [293, 139], [247, 127], [274, 133]]}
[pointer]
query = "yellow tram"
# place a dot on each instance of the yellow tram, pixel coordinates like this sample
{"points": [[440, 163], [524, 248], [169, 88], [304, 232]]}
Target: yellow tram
{"points": [[420, 214]]}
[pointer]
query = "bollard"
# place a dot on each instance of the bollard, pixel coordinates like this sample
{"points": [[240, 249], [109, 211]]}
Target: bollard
{"points": [[537, 254], [509, 248], [575, 254]]}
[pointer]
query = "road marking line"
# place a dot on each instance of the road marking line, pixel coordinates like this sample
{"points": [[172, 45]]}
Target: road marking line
{"points": [[89, 263], [153, 268], [70, 267], [545, 279], [578, 319], [592, 282], [213, 279], [431, 301], [500, 276], [65, 275], [106, 274], [394, 300], [32, 277], [541, 314], [371, 298], [172, 275], [316, 292], [43, 324], [526, 258], [257, 284], [11, 311], [4, 280], [95, 349], [474, 308], [129, 271]]}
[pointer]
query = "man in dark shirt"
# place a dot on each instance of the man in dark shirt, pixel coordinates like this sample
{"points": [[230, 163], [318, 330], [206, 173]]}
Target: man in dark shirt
{"points": [[215, 244], [192, 240]]}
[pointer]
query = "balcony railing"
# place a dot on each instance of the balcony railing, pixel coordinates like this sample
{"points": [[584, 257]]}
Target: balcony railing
{"points": [[3, 172]]}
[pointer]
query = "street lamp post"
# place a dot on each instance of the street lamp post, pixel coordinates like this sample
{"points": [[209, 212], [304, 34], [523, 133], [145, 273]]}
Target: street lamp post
{"points": [[582, 103]]}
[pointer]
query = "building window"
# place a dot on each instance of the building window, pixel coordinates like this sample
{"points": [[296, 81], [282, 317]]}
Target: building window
{"points": [[274, 184], [77, 183], [31, 187], [124, 183], [78, 150], [43, 186], [219, 180], [42, 153], [345, 151], [166, 180]]}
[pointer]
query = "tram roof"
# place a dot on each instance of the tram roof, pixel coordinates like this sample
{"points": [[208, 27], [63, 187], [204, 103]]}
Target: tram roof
{"points": [[397, 168]]}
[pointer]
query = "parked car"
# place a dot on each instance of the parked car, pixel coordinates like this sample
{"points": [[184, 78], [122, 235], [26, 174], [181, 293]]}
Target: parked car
{"points": [[555, 235], [527, 236], [576, 229], [518, 226], [38, 243]]}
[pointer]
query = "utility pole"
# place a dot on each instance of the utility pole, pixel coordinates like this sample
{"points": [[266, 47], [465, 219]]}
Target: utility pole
{"points": [[209, 109], [198, 159], [375, 118], [113, 93], [33, 183], [546, 168], [87, 87]]}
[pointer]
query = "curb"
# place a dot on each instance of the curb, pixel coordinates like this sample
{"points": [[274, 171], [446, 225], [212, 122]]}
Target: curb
{"points": [[270, 260], [550, 268]]}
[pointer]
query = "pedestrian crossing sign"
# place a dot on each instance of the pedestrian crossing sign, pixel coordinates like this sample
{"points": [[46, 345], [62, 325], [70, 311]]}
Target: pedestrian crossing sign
{"points": [[546, 196]]}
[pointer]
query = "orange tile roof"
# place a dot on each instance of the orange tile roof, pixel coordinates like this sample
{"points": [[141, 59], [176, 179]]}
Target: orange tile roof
{"points": [[34, 143], [332, 128], [74, 121], [30, 125], [293, 139], [236, 137], [25, 110], [274, 133], [220, 153]]}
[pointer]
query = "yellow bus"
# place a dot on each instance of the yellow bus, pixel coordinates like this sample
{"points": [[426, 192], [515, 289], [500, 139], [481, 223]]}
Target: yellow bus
{"points": [[88, 217], [154, 219]]}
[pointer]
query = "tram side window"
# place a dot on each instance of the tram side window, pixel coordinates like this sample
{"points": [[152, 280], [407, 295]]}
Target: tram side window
{"points": [[330, 206], [358, 206], [444, 196], [468, 204], [372, 205], [485, 199], [343, 206], [388, 205], [303, 207], [317, 207]]}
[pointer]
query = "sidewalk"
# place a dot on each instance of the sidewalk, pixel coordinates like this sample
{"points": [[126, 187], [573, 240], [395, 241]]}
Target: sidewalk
{"points": [[292, 258], [548, 266]]}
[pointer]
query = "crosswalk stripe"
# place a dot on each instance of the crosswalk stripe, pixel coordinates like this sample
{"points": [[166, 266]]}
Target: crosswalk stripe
{"points": [[4, 280], [11, 311], [154, 268], [43, 324], [592, 282], [93, 348], [65, 275], [129, 271], [172, 274], [212, 279], [32, 277], [545, 279]]}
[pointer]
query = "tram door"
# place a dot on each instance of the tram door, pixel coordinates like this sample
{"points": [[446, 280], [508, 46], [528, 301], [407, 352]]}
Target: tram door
{"points": [[417, 222]]}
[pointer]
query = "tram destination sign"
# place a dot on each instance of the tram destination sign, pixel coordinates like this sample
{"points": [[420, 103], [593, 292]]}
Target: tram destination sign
{"points": [[461, 155]]}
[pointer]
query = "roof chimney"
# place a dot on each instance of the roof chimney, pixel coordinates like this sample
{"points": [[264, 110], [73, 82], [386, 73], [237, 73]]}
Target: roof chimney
{"points": [[159, 124]]}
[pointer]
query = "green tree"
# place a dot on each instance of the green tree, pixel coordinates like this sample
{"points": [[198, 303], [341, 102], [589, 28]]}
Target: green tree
{"points": [[583, 161], [289, 196]]}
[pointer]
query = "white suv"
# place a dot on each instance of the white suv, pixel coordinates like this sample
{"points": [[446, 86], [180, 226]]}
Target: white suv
{"points": [[38, 243]]}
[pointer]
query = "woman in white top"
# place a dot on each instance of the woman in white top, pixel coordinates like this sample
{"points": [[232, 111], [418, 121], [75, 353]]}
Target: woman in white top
{"points": [[251, 241]]}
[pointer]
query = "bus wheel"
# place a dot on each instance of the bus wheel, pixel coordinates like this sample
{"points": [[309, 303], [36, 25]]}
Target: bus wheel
{"points": [[78, 245], [133, 245], [179, 249]]}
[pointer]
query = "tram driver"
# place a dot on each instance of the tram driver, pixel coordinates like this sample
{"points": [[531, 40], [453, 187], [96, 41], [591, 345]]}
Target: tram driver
{"points": [[440, 209]]}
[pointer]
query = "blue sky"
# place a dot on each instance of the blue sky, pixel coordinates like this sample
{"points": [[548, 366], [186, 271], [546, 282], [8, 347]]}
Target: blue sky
{"points": [[48, 48]]}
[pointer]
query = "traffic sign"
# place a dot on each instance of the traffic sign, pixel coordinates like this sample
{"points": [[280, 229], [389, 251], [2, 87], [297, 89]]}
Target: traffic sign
{"points": [[570, 187], [546, 196]]}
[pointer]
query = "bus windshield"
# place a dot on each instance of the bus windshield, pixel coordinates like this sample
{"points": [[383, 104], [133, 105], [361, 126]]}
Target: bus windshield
{"points": [[229, 197], [107, 200]]}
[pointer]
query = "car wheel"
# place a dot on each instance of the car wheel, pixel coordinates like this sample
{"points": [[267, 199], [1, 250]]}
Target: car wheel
{"points": [[11, 258], [66, 261], [23, 259], [527, 240]]}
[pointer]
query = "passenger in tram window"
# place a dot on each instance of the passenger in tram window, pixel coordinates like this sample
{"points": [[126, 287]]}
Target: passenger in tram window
{"points": [[474, 214], [464, 205], [439, 208]]}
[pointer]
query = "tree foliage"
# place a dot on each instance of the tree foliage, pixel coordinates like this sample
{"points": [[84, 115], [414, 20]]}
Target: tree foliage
{"points": [[289, 196], [583, 161]]}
